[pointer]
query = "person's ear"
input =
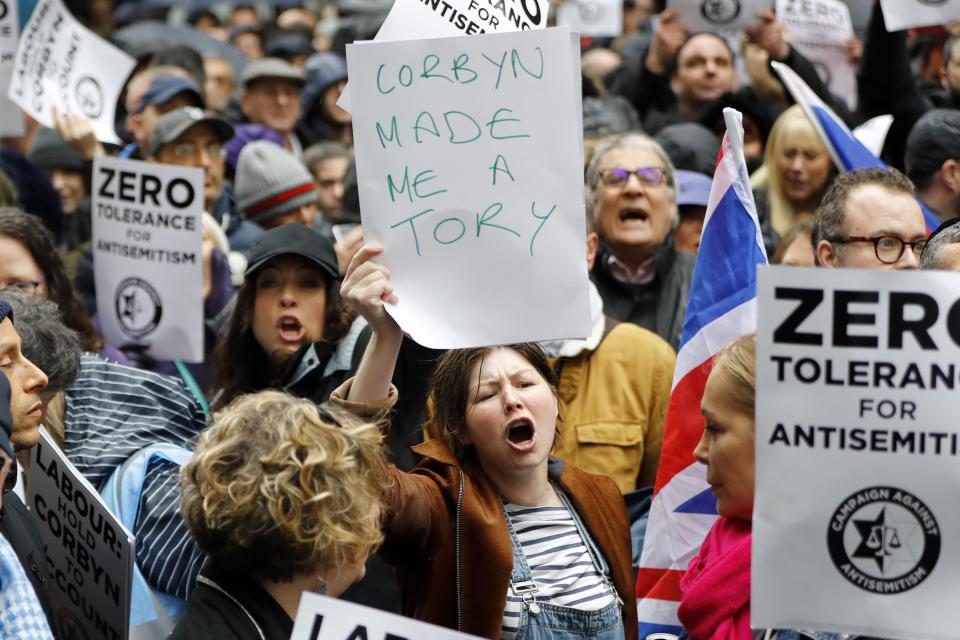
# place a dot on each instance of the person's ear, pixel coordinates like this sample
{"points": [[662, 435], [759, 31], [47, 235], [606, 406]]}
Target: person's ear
{"points": [[826, 254], [593, 241], [950, 174]]}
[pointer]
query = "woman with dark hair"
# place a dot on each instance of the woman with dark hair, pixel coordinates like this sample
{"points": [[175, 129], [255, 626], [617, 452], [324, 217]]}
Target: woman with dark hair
{"points": [[30, 262], [288, 321], [491, 535]]}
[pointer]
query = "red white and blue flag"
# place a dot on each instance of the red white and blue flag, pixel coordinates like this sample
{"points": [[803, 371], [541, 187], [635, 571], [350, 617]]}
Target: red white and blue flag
{"points": [[847, 152], [722, 307]]}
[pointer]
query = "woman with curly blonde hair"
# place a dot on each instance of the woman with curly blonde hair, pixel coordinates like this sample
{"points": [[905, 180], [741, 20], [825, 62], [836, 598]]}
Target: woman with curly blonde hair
{"points": [[284, 497]]}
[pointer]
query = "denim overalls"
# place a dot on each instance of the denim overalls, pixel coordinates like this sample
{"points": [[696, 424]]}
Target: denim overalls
{"points": [[542, 621]]}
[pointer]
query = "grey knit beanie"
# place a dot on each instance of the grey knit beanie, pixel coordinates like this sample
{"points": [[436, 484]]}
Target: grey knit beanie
{"points": [[271, 181]]}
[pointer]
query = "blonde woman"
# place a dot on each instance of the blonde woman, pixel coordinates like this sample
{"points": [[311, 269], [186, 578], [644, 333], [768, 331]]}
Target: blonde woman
{"points": [[796, 171], [284, 497]]}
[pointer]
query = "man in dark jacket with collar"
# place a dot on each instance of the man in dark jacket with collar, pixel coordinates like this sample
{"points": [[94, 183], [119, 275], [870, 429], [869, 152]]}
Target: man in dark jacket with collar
{"points": [[23, 413], [632, 195]]}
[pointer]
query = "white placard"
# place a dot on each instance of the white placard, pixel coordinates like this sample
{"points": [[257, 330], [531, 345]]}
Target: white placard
{"points": [[819, 30], [147, 238], [469, 159], [61, 63], [323, 618], [857, 452], [11, 120], [719, 15], [903, 14], [599, 18], [421, 19], [90, 553]]}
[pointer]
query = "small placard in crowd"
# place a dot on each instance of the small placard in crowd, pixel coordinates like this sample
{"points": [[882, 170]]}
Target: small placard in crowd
{"points": [[90, 554], [857, 451], [323, 618], [819, 29], [719, 15], [904, 14], [11, 120], [599, 18], [60, 63], [147, 256], [469, 159]]}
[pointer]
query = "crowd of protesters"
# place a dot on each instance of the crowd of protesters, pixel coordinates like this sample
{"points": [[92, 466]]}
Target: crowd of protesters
{"points": [[498, 491]]}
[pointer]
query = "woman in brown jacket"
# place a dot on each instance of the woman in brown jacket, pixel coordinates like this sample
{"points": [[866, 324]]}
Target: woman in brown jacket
{"points": [[492, 536]]}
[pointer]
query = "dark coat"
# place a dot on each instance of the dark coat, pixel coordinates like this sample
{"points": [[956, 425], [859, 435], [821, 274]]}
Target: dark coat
{"points": [[659, 306], [19, 528], [213, 615]]}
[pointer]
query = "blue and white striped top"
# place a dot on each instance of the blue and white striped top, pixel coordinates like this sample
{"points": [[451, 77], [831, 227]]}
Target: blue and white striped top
{"points": [[559, 563]]}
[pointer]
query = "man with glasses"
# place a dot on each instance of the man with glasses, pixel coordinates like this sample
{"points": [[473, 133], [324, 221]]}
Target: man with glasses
{"points": [[189, 138], [870, 219], [632, 194]]}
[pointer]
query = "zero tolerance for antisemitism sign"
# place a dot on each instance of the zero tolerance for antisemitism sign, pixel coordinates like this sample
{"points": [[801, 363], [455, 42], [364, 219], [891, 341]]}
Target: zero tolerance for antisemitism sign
{"points": [[857, 452], [90, 554], [61, 63], [469, 157], [719, 15], [147, 259]]}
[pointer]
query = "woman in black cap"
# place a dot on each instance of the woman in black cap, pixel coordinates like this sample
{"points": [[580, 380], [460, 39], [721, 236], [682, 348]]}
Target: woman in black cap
{"points": [[290, 330]]}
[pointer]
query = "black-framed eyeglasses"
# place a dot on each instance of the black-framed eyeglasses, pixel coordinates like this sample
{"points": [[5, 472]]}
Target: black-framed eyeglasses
{"points": [[617, 177], [888, 249]]}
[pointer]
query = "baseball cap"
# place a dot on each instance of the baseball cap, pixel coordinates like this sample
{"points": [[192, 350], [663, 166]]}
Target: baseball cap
{"points": [[171, 126], [693, 188], [272, 68], [293, 238], [166, 87]]}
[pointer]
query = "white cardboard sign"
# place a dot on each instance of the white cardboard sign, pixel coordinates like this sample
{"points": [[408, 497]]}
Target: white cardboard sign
{"points": [[719, 15], [61, 63], [904, 14], [857, 446], [819, 30], [323, 618], [469, 159], [90, 553], [147, 237], [11, 120], [599, 18]]}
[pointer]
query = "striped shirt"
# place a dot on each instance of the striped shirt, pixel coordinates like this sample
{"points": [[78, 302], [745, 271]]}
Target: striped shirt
{"points": [[559, 563], [113, 411]]}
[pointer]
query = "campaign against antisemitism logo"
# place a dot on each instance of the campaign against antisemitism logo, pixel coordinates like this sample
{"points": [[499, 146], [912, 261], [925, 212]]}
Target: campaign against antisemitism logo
{"points": [[89, 96], [884, 540], [138, 307], [720, 11]]}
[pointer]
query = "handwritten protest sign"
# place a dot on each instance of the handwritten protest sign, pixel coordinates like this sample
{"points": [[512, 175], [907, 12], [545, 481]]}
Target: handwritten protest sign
{"points": [[421, 19], [904, 14], [857, 446], [469, 158], [323, 618], [89, 552], [147, 255], [592, 17], [719, 15], [820, 30], [11, 121], [60, 63]]}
